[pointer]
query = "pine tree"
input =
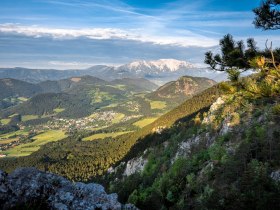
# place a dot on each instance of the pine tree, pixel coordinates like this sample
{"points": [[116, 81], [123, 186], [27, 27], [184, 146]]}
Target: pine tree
{"points": [[268, 15], [233, 54]]}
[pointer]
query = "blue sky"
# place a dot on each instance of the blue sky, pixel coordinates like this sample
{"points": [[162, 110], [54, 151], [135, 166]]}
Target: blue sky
{"points": [[80, 33]]}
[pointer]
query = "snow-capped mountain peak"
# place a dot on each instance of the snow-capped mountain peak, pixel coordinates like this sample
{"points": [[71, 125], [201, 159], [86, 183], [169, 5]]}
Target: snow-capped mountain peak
{"points": [[162, 65]]}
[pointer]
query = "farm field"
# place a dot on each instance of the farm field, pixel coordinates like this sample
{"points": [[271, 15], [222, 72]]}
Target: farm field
{"points": [[5, 121], [58, 110], [25, 118], [39, 140], [146, 121], [7, 141], [104, 135], [118, 118], [158, 104], [15, 133], [22, 99]]}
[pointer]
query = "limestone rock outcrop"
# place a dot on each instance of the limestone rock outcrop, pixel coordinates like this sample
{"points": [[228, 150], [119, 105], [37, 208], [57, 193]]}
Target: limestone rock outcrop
{"points": [[27, 187]]}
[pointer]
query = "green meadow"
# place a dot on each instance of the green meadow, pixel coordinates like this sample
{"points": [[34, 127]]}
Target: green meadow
{"points": [[39, 140], [104, 135], [143, 122]]}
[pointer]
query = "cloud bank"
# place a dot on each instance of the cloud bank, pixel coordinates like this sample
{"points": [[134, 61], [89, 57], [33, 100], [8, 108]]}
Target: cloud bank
{"points": [[186, 40], [82, 52]]}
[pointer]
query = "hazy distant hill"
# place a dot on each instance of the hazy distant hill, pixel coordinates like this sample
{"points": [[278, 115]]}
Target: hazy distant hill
{"points": [[13, 87], [39, 75]]}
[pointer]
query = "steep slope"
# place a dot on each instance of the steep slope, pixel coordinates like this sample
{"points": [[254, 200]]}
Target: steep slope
{"points": [[223, 158]]}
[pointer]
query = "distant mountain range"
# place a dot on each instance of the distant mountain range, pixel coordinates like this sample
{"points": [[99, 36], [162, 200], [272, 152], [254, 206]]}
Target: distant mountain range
{"points": [[158, 71]]}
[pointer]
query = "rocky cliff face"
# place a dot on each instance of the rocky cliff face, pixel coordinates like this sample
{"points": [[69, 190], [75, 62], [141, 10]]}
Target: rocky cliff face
{"points": [[135, 165], [30, 188]]}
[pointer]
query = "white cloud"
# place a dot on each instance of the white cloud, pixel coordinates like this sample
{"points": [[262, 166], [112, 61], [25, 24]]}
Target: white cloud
{"points": [[187, 39], [69, 64]]}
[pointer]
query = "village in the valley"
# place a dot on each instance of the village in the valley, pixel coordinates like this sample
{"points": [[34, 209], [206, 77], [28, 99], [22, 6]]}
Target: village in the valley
{"points": [[93, 122]]}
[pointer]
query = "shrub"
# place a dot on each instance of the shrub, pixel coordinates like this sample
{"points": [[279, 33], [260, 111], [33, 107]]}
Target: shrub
{"points": [[235, 119], [276, 109], [233, 75], [226, 87]]}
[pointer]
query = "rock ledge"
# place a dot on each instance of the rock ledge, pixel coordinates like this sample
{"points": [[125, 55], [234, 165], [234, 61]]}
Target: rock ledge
{"points": [[31, 187]]}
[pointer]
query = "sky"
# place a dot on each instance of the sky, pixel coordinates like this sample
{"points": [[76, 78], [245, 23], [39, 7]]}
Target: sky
{"points": [[75, 34]]}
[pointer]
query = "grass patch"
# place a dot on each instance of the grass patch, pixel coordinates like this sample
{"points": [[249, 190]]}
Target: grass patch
{"points": [[15, 114], [99, 128], [120, 87], [15, 133], [7, 141], [146, 121], [58, 110], [94, 115], [118, 118], [39, 140], [99, 96], [142, 95], [158, 104], [25, 118], [104, 135], [5, 121], [22, 99], [111, 105]]}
